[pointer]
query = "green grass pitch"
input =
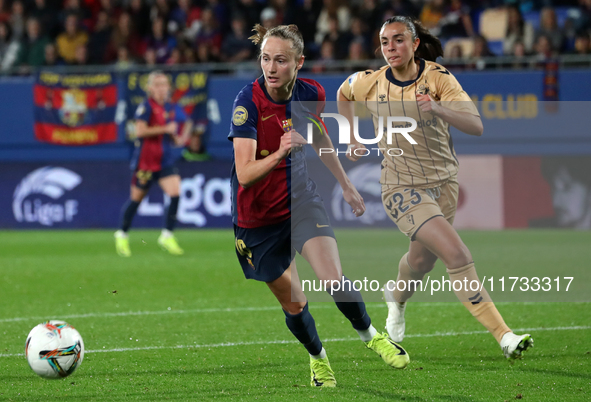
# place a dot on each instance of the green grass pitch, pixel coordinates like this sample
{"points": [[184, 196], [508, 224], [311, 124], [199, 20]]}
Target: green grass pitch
{"points": [[158, 327]]}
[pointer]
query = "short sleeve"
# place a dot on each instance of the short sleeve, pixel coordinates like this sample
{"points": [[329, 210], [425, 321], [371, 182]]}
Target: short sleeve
{"points": [[452, 95], [321, 101], [245, 117], [347, 86], [143, 111], [179, 114]]}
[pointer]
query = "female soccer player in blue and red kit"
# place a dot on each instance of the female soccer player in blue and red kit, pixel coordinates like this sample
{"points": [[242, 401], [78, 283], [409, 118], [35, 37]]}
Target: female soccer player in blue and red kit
{"points": [[276, 209], [156, 127]]}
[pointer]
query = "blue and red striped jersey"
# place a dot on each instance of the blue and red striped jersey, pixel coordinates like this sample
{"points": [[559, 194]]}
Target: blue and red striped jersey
{"points": [[154, 153], [257, 116]]}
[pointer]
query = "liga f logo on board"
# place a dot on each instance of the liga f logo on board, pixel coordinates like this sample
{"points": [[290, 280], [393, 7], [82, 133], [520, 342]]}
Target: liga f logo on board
{"points": [[407, 125]]}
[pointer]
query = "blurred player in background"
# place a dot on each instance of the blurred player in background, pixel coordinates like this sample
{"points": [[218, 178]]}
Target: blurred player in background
{"points": [[275, 207], [420, 187], [156, 127]]}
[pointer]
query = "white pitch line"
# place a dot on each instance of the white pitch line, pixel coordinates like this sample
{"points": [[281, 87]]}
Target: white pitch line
{"points": [[229, 344], [316, 305]]}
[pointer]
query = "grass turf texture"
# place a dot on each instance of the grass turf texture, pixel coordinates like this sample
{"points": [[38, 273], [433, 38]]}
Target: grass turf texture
{"points": [[198, 330]]}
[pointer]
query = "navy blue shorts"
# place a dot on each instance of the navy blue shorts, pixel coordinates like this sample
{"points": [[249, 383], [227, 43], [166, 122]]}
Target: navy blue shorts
{"points": [[267, 251], [144, 179]]}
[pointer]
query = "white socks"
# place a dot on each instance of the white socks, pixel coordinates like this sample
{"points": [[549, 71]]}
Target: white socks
{"points": [[322, 355], [166, 233], [367, 335], [120, 233]]}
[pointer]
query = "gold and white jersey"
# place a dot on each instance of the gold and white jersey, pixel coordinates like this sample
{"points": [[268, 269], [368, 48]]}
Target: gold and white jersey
{"points": [[432, 161]]}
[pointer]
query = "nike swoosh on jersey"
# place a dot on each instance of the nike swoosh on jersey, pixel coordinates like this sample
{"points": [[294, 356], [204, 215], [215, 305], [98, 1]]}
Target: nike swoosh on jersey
{"points": [[266, 117], [321, 226]]}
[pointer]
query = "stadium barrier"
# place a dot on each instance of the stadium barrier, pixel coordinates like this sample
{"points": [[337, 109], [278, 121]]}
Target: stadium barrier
{"points": [[496, 192]]}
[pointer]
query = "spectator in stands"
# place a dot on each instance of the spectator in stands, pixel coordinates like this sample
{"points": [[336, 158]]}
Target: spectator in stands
{"points": [[18, 20], [150, 57], [204, 53], [582, 43], [73, 7], [189, 56], [51, 56], [160, 41], [453, 60], [339, 41], [220, 13], [398, 7], [519, 52], [236, 46], [9, 48], [369, 12], [46, 15], [32, 48], [110, 7], [280, 7], [481, 47], [518, 30], [160, 8], [480, 51], [186, 17], [457, 21], [4, 13], [140, 15], [357, 50], [583, 20], [550, 29], [124, 35], [100, 39], [305, 18], [175, 57], [358, 33], [81, 56], [433, 11], [124, 61], [209, 36], [250, 10], [332, 8], [327, 57], [269, 18], [543, 47], [68, 41]]}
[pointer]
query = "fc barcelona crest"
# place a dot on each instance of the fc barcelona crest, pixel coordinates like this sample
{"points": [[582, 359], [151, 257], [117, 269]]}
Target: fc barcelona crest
{"points": [[287, 125]]}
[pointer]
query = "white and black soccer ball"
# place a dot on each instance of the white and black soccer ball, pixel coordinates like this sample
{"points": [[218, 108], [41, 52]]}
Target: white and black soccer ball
{"points": [[54, 349]]}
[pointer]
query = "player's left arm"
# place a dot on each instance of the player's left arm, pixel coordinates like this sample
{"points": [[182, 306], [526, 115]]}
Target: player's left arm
{"points": [[187, 130], [323, 146], [454, 107]]}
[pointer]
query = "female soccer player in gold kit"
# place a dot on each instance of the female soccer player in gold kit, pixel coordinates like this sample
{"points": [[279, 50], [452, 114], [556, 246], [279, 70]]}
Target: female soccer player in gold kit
{"points": [[420, 187]]}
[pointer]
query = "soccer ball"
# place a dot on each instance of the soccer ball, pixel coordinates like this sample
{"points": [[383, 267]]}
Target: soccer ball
{"points": [[54, 349]]}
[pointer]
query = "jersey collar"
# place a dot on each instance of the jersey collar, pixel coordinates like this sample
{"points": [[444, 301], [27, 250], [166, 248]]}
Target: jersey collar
{"points": [[261, 81], [394, 81]]}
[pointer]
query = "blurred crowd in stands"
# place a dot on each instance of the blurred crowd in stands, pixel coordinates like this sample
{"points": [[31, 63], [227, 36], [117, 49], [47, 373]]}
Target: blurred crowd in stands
{"points": [[149, 32]]}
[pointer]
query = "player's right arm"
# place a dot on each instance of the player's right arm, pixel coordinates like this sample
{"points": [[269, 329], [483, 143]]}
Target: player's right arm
{"points": [[249, 170], [243, 133], [143, 130], [346, 108]]}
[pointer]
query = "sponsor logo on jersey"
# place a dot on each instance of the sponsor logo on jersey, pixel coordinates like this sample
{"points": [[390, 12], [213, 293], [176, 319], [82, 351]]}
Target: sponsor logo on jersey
{"points": [[239, 116]]}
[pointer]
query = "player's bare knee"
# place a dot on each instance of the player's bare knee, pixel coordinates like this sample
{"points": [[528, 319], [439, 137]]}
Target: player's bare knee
{"points": [[294, 308], [421, 263], [457, 257]]}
